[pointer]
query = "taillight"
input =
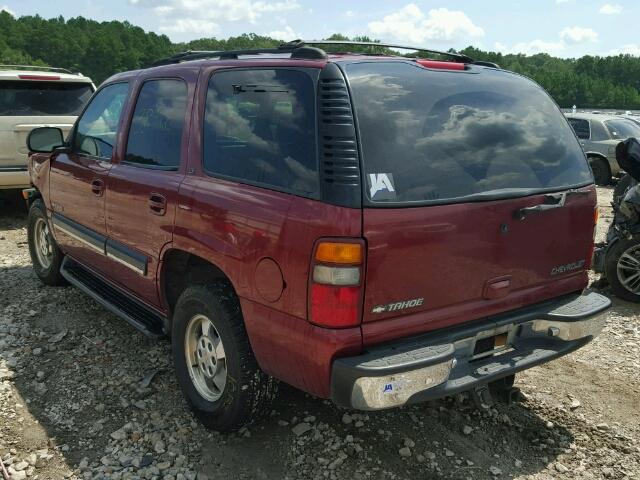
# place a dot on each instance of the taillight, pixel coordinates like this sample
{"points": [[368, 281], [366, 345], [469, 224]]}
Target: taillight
{"points": [[335, 293]]}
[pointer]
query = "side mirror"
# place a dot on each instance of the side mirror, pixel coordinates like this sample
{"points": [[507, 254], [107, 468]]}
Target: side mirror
{"points": [[628, 156], [45, 139]]}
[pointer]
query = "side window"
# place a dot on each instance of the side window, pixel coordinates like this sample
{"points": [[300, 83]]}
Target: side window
{"points": [[97, 129], [260, 128], [155, 135], [598, 132], [581, 128]]}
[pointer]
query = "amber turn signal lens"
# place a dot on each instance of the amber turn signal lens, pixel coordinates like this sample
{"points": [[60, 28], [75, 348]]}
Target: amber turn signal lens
{"points": [[334, 252]]}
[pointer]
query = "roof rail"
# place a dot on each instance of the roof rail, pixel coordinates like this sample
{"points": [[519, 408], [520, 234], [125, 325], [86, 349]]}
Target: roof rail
{"points": [[37, 67], [455, 56], [298, 49]]}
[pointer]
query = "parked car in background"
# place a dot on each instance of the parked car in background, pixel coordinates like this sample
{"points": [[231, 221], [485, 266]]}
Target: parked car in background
{"points": [[231, 201], [33, 97], [599, 134]]}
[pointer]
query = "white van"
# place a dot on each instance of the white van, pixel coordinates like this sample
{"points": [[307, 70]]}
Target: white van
{"points": [[33, 97]]}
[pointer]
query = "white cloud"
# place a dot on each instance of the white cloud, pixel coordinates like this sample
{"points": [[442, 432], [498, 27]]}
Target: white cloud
{"points": [[287, 34], [562, 1], [610, 9], [411, 24], [5, 8], [205, 16], [628, 49], [532, 47], [574, 35], [349, 14], [190, 25]]}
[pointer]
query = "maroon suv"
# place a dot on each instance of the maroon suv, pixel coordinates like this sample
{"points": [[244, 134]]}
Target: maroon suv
{"points": [[378, 230]]}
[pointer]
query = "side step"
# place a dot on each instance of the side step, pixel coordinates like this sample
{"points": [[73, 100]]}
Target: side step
{"points": [[122, 304]]}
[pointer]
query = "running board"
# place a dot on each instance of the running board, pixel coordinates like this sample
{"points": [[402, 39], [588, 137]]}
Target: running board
{"points": [[114, 299]]}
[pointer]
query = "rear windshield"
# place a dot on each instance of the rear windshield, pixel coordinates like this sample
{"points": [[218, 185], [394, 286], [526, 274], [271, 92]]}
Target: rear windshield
{"points": [[22, 98], [433, 136], [621, 129]]}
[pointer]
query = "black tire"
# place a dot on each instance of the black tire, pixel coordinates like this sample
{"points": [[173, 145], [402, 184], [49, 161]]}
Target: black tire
{"points": [[248, 391], [601, 171], [48, 274], [621, 188], [611, 268]]}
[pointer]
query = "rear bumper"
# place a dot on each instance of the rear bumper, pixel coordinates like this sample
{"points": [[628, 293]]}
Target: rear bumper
{"points": [[443, 363], [14, 177]]}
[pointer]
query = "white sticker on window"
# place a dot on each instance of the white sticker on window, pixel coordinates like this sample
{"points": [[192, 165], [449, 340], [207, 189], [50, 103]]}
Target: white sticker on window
{"points": [[381, 186]]}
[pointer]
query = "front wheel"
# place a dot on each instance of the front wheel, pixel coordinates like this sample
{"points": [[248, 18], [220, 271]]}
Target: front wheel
{"points": [[622, 267], [215, 365], [43, 249]]}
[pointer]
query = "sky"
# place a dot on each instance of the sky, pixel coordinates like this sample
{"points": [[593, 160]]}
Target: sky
{"points": [[565, 28]]}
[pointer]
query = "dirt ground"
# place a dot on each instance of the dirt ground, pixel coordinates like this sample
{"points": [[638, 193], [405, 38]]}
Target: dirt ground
{"points": [[84, 395]]}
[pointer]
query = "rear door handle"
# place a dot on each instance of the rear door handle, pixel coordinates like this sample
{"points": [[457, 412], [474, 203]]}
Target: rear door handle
{"points": [[157, 204], [97, 186]]}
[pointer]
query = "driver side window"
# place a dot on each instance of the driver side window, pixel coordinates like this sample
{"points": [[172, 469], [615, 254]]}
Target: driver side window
{"points": [[97, 129]]}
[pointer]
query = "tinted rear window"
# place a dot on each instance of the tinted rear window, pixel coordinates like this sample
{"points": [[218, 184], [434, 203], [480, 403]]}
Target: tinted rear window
{"points": [[155, 135], [25, 98], [260, 129], [433, 136]]}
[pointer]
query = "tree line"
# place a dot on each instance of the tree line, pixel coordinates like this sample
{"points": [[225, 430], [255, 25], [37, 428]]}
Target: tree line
{"points": [[100, 49]]}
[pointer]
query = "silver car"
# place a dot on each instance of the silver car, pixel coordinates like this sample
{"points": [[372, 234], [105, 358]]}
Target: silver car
{"points": [[599, 134], [32, 97]]}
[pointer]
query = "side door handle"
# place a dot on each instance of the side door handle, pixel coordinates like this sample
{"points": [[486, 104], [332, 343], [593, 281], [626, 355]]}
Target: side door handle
{"points": [[97, 187], [157, 204]]}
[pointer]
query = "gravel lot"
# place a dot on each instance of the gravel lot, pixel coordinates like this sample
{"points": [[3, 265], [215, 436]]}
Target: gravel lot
{"points": [[84, 395]]}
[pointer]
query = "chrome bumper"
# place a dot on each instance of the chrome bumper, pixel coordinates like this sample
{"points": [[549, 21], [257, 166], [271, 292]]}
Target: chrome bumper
{"points": [[444, 363]]}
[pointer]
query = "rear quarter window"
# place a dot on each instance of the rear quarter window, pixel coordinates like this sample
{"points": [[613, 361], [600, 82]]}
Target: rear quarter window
{"points": [[36, 98], [581, 127], [439, 136], [260, 129]]}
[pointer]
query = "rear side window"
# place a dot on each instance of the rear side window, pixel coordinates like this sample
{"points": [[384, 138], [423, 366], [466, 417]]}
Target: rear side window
{"points": [[260, 129], [35, 98], [98, 126], [433, 136], [155, 135], [581, 127]]}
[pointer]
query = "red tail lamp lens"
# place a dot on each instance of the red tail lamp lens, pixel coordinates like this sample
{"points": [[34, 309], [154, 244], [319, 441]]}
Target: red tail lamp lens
{"points": [[334, 307]]}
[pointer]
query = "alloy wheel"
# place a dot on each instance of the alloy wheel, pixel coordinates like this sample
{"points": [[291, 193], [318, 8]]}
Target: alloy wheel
{"points": [[205, 357]]}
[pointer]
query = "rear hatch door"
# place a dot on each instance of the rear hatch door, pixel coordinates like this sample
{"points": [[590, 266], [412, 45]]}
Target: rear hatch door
{"points": [[25, 105], [450, 160]]}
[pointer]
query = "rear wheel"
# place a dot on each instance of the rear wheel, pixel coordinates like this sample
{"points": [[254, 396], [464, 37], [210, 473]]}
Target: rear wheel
{"points": [[43, 249], [215, 365], [622, 267], [601, 172]]}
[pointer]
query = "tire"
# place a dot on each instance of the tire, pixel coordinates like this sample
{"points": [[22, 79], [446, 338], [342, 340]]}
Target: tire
{"points": [[621, 265], [621, 188], [246, 391], [601, 172], [46, 259]]}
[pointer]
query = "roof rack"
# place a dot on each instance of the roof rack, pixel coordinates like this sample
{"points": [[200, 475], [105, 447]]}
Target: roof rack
{"points": [[299, 49], [455, 56], [38, 68]]}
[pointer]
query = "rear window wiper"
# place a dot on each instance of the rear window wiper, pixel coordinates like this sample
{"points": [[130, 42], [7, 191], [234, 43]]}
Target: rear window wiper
{"points": [[552, 201]]}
